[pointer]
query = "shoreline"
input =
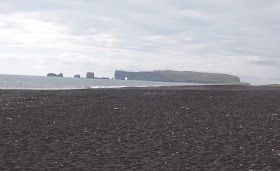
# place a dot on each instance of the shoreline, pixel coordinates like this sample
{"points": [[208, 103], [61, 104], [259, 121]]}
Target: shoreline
{"points": [[164, 128], [167, 87]]}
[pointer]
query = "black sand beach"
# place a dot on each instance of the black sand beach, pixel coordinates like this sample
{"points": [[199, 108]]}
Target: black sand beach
{"points": [[168, 128]]}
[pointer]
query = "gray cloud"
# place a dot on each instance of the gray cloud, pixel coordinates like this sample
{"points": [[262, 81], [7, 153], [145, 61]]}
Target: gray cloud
{"points": [[202, 35], [271, 63]]}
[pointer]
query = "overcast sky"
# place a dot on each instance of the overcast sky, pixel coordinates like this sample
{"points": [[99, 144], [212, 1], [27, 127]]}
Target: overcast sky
{"points": [[239, 37]]}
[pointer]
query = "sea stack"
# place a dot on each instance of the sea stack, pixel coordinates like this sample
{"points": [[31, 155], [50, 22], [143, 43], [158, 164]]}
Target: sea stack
{"points": [[55, 75], [90, 74], [77, 76]]}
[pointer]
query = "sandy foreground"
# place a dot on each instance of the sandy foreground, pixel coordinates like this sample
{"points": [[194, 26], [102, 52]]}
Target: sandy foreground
{"points": [[168, 128]]}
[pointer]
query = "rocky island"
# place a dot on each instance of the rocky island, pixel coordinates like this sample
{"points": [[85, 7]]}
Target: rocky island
{"points": [[77, 76], [55, 75], [177, 76], [90, 74]]}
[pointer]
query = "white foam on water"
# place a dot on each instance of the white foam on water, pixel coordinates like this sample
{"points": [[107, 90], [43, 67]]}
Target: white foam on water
{"points": [[97, 87]]}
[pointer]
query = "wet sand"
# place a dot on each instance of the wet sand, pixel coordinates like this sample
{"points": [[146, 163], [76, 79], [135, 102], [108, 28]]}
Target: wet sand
{"points": [[168, 128]]}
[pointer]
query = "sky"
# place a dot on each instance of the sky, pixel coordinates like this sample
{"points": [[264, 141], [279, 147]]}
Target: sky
{"points": [[239, 37]]}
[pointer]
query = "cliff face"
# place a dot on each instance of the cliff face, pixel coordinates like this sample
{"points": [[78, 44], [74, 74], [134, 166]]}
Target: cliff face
{"points": [[148, 76], [177, 76]]}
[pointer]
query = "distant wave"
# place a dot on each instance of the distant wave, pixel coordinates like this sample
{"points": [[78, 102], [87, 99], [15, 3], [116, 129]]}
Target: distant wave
{"points": [[96, 87]]}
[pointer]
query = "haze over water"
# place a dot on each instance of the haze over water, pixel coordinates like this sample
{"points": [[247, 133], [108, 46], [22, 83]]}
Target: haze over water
{"points": [[49, 83]]}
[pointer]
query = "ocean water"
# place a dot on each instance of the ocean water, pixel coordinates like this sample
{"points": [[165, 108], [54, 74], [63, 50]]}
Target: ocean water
{"points": [[56, 83]]}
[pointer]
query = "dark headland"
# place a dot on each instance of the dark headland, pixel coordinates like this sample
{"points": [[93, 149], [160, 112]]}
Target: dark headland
{"points": [[167, 128], [179, 76]]}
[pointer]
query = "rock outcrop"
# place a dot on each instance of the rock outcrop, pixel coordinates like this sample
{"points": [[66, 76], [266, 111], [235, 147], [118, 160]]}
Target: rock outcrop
{"points": [[90, 74], [177, 76], [55, 75], [77, 76]]}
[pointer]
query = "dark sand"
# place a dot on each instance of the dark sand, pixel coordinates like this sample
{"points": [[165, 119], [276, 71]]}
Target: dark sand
{"points": [[171, 128]]}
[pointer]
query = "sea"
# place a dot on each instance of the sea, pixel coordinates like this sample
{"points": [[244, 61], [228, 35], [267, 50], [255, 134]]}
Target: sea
{"points": [[64, 83]]}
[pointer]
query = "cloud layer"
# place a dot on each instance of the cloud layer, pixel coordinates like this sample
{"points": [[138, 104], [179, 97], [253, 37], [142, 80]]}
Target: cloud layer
{"points": [[238, 37]]}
